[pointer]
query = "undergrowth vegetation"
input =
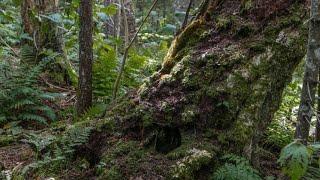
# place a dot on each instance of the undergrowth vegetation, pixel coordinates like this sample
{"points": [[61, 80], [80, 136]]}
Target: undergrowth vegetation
{"points": [[236, 168], [299, 161], [20, 98]]}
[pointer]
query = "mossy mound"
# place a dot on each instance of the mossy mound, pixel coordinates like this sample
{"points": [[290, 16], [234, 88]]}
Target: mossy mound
{"points": [[130, 159]]}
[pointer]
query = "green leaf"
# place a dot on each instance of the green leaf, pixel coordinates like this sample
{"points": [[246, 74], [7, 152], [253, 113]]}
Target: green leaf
{"points": [[17, 2], [294, 160], [56, 17], [110, 10], [33, 117]]}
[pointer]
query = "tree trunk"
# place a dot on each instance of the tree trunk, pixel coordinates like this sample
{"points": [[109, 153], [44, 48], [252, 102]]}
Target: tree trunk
{"points": [[226, 78], [219, 86], [317, 131], [84, 100], [310, 81], [45, 35], [116, 27], [26, 7]]}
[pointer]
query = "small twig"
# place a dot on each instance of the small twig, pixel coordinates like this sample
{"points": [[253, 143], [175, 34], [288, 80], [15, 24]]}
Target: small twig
{"points": [[57, 87], [74, 96], [117, 83], [8, 46], [34, 40]]}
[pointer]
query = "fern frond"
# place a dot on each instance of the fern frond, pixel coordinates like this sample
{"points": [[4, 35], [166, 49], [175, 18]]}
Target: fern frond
{"points": [[33, 117], [46, 110], [294, 159], [236, 168], [27, 54], [48, 96], [21, 103]]}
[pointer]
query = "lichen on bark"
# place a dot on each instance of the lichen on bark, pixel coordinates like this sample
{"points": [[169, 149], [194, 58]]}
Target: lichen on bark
{"points": [[223, 83]]}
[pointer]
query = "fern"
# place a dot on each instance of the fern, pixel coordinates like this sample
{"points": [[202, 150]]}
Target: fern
{"points": [[46, 111], [58, 149], [27, 54], [236, 168], [75, 137], [47, 161], [38, 142], [20, 99], [313, 169], [27, 116], [294, 160]]}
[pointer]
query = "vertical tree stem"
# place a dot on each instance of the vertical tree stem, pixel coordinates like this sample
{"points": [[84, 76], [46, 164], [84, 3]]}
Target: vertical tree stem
{"points": [[123, 62], [310, 77], [86, 57]]}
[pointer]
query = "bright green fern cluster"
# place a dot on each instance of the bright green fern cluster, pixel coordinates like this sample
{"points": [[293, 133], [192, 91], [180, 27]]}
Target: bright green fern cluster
{"points": [[235, 168], [20, 98], [53, 152], [300, 162]]}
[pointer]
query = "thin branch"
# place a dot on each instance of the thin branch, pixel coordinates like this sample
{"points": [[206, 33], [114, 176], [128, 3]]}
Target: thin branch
{"points": [[117, 83], [8, 46], [57, 87], [125, 24], [186, 18]]}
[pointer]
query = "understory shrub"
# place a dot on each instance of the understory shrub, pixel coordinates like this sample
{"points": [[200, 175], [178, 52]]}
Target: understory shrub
{"points": [[235, 168], [20, 98], [299, 161]]}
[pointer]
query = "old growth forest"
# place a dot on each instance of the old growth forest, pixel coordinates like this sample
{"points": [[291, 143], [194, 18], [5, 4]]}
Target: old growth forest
{"points": [[159, 89]]}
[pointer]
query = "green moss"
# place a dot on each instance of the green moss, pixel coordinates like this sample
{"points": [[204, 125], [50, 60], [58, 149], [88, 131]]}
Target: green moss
{"points": [[189, 113], [294, 20], [190, 164], [189, 142], [129, 154], [246, 5], [257, 48], [244, 31], [17, 177], [182, 43], [6, 140], [223, 23], [112, 173]]}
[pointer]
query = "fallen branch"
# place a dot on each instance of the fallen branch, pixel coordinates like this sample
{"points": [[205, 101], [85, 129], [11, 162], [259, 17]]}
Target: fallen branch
{"points": [[57, 87]]}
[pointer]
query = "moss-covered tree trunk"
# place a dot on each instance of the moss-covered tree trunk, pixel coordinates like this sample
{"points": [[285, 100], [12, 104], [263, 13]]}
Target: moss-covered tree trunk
{"points": [[222, 79], [44, 32], [224, 73], [39, 21]]}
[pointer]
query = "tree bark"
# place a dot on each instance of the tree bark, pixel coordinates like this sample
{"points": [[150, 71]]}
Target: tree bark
{"points": [[26, 6], [317, 131], [228, 81], [84, 101], [306, 108], [45, 35], [186, 18]]}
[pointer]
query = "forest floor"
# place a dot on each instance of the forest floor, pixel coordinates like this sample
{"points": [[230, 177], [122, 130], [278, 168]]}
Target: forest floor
{"points": [[129, 157]]}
